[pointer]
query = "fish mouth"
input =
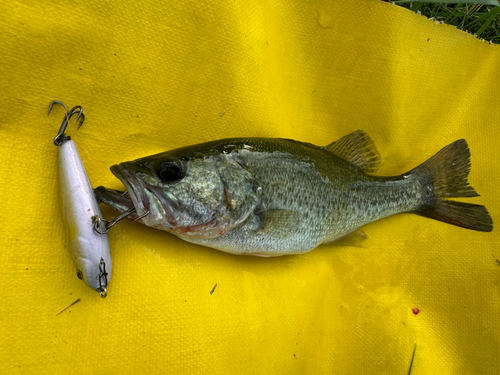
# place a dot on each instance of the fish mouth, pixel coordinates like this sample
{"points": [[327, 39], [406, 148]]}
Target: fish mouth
{"points": [[134, 187], [149, 202], [118, 200]]}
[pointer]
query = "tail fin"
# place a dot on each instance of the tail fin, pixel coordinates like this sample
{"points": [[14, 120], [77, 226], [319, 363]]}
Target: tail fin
{"points": [[445, 175]]}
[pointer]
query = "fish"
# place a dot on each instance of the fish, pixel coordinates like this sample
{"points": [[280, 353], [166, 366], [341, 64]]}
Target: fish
{"points": [[273, 197], [89, 250]]}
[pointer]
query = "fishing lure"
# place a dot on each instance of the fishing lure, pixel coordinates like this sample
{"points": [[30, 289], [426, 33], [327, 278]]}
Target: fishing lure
{"points": [[82, 215]]}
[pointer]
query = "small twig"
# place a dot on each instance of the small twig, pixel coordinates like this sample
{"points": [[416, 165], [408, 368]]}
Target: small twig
{"points": [[78, 300], [213, 290]]}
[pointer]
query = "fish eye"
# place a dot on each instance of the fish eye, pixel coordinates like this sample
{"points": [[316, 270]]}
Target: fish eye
{"points": [[169, 171], [79, 274]]}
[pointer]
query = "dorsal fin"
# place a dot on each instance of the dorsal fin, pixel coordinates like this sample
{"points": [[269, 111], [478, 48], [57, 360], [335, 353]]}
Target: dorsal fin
{"points": [[358, 149]]}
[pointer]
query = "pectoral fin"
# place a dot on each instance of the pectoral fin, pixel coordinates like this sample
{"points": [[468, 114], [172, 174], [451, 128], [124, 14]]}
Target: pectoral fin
{"points": [[278, 223]]}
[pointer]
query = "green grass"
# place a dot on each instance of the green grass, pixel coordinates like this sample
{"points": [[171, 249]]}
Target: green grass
{"points": [[412, 358], [478, 19]]}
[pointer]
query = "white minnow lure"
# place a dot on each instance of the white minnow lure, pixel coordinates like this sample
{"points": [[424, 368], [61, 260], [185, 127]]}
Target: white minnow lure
{"points": [[89, 250]]}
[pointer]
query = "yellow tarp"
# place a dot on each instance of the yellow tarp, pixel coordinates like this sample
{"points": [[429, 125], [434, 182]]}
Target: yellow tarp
{"points": [[152, 76]]}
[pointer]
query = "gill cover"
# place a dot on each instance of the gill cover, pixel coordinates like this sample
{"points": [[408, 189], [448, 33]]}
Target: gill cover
{"points": [[197, 196]]}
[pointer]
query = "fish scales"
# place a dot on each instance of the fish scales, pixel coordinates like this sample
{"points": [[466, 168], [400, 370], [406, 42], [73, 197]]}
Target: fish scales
{"points": [[333, 198]]}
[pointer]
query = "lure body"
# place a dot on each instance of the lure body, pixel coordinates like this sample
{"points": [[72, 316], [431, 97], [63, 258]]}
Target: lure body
{"points": [[89, 250]]}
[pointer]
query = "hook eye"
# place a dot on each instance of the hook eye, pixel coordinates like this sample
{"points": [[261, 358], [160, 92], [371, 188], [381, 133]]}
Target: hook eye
{"points": [[103, 293]]}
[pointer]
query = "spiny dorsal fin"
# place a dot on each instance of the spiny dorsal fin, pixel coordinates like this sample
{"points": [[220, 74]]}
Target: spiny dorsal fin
{"points": [[358, 149]]}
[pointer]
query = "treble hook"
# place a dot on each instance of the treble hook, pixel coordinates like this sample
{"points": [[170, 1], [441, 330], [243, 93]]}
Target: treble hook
{"points": [[60, 137], [58, 102], [96, 221]]}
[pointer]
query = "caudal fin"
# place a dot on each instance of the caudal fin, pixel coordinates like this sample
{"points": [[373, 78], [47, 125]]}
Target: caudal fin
{"points": [[445, 175]]}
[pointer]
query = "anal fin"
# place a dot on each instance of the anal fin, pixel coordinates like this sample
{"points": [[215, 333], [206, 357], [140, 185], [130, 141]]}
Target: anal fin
{"points": [[358, 238]]}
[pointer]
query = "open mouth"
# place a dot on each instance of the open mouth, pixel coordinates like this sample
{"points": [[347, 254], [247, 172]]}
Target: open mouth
{"points": [[124, 201], [148, 203], [134, 188], [119, 200]]}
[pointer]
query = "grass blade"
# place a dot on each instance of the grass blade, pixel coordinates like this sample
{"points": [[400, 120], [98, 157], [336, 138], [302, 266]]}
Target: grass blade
{"points": [[492, 14], [412, 358], [487, 2], [481, 17], [472, 16]]}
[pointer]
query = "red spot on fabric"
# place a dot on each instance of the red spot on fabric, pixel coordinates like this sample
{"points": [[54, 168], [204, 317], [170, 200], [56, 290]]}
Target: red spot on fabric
{"points": [[415, 310], [88, 210], [428, 39]]}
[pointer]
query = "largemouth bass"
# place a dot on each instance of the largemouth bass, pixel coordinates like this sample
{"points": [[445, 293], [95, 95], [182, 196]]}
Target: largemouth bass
{"points": [[271, 197]]}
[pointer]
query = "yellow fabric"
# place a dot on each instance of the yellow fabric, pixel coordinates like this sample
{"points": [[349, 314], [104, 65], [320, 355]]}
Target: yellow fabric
{"points": [[152, 76]]}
